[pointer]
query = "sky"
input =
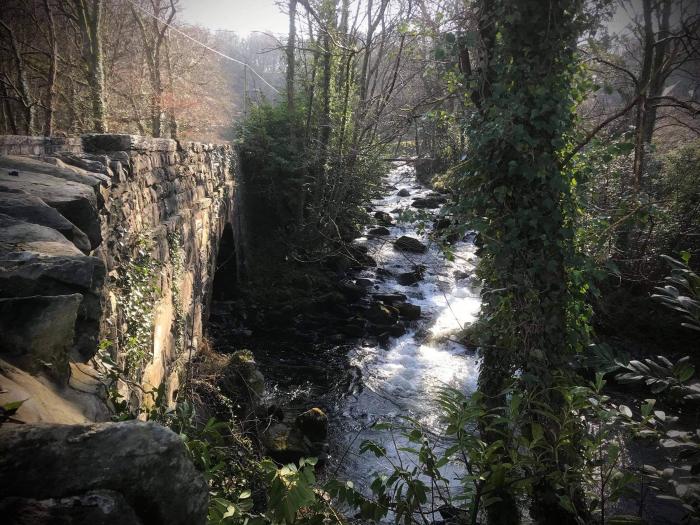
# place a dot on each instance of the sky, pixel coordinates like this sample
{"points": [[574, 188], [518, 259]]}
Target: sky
{"points": [[241, 16]]}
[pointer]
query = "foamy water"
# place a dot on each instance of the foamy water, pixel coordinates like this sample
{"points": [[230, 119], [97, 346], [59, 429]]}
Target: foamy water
{"points": [[401, 379]]}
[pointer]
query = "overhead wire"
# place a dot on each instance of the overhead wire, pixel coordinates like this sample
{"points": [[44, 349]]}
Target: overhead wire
{"points": [[223, 55]]}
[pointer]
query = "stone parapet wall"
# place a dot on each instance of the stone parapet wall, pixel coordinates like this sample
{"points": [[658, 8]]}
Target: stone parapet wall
{"points": [[111, 245], [24, 145]]}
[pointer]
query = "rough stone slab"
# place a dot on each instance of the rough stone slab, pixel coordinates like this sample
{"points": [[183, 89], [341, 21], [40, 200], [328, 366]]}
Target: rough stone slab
{"points": [[75, 201], [36, 260], [105, 143], [19, 236], [56, 168], [46, 401], [144, 462], [105, 507], [29, 208], [38, 332]]}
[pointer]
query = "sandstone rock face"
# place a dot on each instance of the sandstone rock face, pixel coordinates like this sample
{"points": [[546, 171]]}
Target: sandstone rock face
{"points": [[31, 209], [38, 331], [106, 469], [77, 202]]}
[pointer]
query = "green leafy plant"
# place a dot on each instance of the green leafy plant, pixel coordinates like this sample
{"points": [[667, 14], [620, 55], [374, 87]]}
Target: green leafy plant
{"points": [[682, 291]]}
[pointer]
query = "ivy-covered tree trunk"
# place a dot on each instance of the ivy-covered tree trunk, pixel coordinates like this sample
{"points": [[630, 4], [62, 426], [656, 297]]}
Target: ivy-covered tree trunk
{"points": [[520, 201]]}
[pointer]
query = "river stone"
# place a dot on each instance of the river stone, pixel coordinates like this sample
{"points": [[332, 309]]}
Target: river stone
{"points": [[145, 463], [431, 202], [384, 218], [442, 223], [77, 202], [105, 507], [28, 208], [379, 230], [314, 424], [390, 298], [409, 278], [351, 290], [38, 332], [409, 244], [241, 377], [382, 314], [286, 444], [403, 192], [409, 311]]}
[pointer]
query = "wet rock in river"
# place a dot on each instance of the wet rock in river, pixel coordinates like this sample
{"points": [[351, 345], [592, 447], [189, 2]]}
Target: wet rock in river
{"points": [[409, 244], [409, 278], [379, 230], [384, 218], [403, 192], [285, 444], [429, 203], [441, 223], [241, 378], [397, 330], [382, 314], [409, 311], [365, 283], [305, 438], [351, 290], [314, 424], [389, 298], [354, 328], [459, 275]]}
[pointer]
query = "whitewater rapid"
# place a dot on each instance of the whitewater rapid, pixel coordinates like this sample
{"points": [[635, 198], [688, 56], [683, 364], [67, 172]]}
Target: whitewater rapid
{"points": [[401, 378]]}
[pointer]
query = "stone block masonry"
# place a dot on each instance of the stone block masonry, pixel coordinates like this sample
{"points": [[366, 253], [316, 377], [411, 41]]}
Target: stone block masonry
{"points": [[107, 243]]}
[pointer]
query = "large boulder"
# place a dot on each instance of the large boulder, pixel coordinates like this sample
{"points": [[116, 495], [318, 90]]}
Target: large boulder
{"points": [[20, 236], [99, 506], [56, 168], [38, 332], [379, 230], [29, 208], [314, 424], [409, 244], [381, 314], [39, 261], [286, 444], [76, 201], [409, 278], [144, 466], [430, 202], [409, 311], [384, 218], [241, 378]]}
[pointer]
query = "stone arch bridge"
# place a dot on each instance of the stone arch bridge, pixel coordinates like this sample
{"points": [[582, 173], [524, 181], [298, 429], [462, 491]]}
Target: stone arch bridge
{"points": [[107, 243]]}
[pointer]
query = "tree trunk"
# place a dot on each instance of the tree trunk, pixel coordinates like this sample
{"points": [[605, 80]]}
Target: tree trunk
{"points": [[516, 184], [89, 20], [291, 49], [658, 75], [22, 88], [643, 92], [51, 76]]}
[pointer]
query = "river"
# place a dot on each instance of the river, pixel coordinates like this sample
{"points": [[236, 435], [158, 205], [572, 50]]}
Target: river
{"points": [[400, 378]]}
